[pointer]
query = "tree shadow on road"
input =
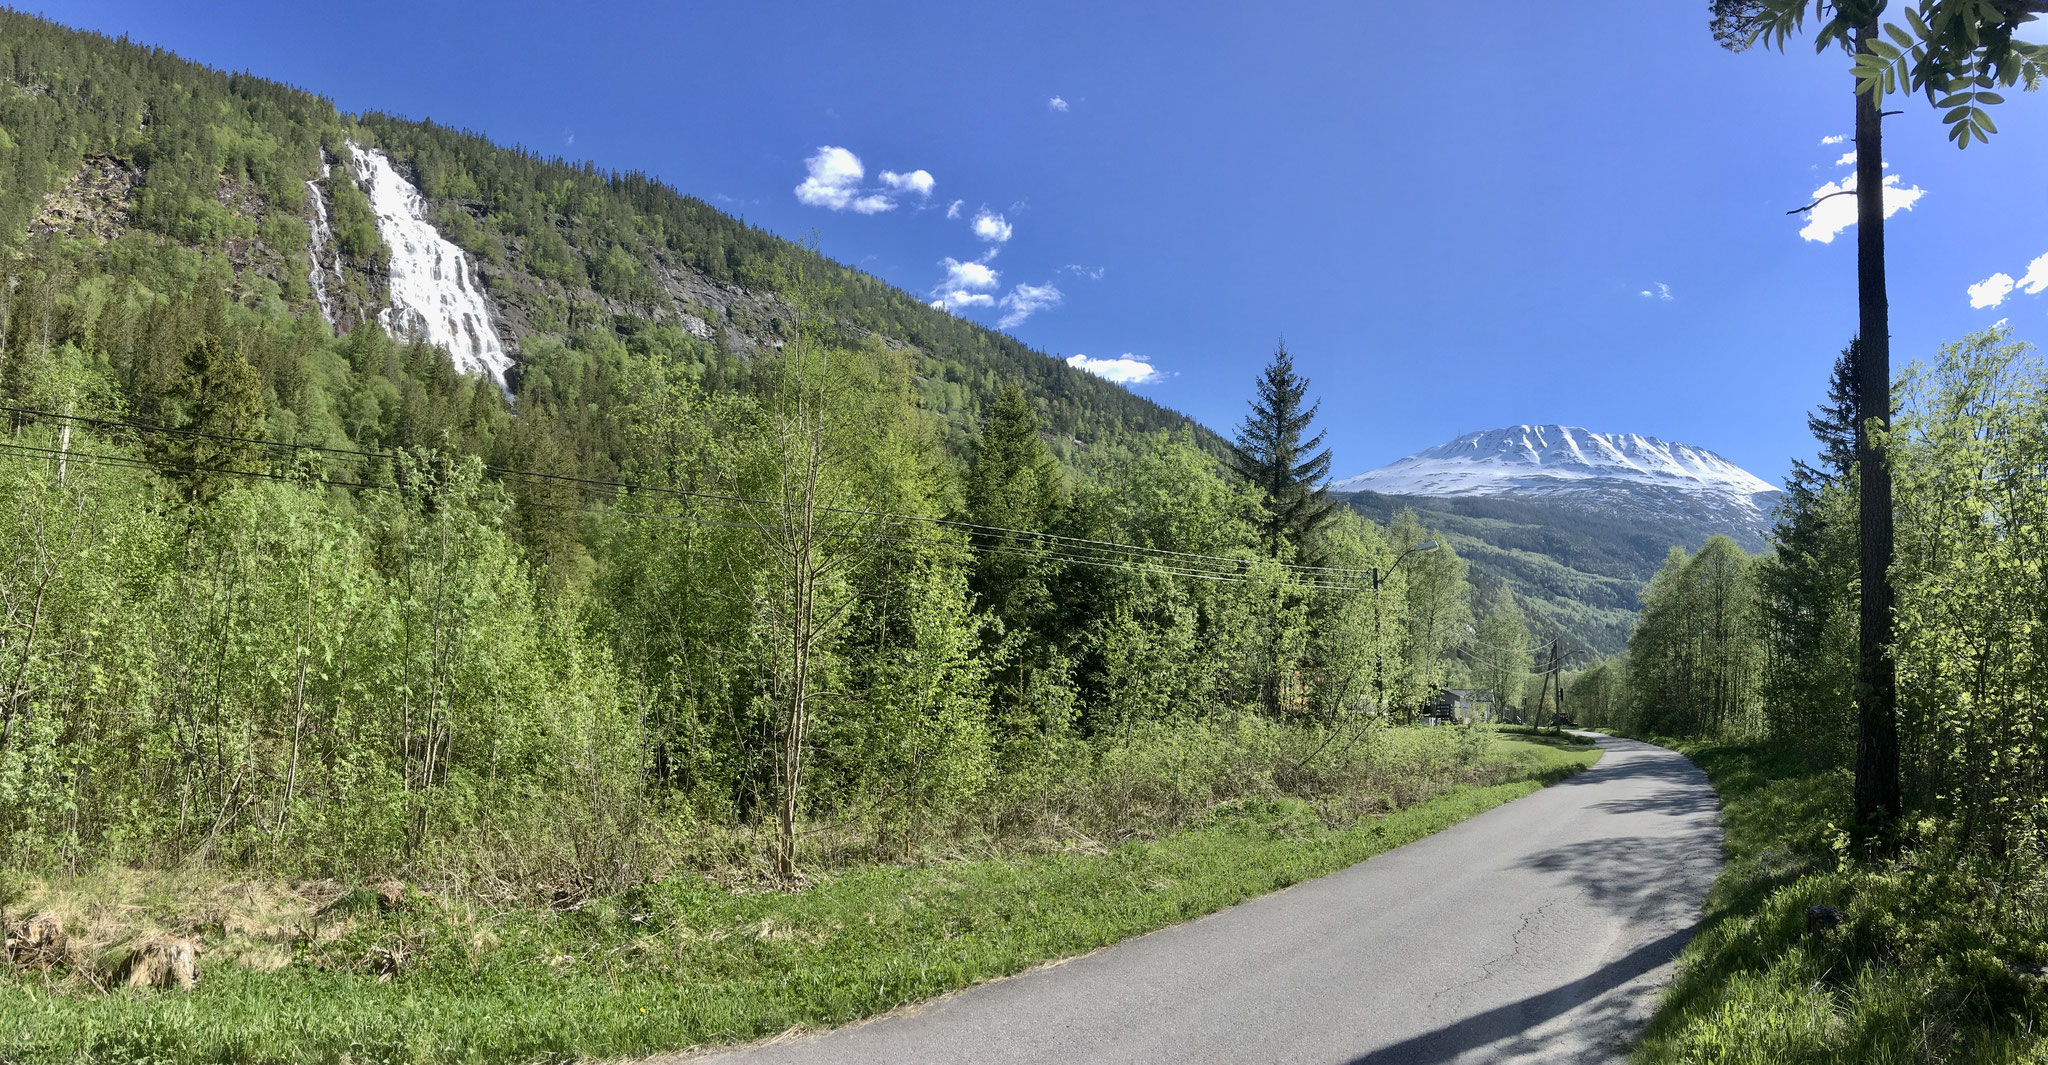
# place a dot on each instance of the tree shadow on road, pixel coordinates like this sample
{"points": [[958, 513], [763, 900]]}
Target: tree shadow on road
{"points": [[1612, 1023]]}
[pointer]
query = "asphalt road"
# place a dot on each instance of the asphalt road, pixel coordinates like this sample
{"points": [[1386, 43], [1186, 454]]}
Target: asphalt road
{"points": [[1538, 931]]}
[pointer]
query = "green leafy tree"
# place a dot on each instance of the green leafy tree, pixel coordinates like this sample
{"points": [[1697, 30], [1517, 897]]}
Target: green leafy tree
{"points": [[1500, 652]]}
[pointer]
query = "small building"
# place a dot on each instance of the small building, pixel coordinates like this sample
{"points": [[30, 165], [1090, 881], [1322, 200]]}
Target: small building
{"points": [[1447, 705]]}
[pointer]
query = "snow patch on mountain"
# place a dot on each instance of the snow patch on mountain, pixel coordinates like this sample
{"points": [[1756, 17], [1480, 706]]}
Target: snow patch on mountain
{"points": [[1617, 473]]}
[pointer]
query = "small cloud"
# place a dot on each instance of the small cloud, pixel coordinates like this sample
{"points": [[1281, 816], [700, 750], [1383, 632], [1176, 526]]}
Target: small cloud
{"points": [[917, 181], [1835, 139], [1056, 104], [2036, 278], [1027, 300], [568, 136], [969, 275], [1833, 213], [1663, 292], [1993, 290], [834, 179], [1124, 371], [953, 209], [991, 226], [1847, 159], [1091, 273], [966, 284]]}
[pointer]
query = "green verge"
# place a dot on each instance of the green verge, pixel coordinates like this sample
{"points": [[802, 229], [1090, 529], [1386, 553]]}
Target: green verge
{"points": [[685, 963], [1929, 964]]}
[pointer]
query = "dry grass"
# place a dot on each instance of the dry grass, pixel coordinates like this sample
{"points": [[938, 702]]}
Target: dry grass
{"points": [[107, 914]]}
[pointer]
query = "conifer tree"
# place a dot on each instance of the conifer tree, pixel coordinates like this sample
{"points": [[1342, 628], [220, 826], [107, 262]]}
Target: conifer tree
{"points": [[1288, 470]]}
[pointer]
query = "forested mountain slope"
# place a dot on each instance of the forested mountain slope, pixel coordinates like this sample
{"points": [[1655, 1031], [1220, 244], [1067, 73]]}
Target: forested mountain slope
{"points": [[409, 503], [145, 166], [1578, 575]]}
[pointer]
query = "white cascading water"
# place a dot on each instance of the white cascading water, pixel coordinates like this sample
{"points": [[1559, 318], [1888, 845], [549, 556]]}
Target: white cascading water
{"points": [[435, 295], [323, 236]]}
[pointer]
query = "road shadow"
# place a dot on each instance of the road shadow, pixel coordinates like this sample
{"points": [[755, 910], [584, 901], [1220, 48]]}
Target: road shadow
{"points": [[1610, 1023]]}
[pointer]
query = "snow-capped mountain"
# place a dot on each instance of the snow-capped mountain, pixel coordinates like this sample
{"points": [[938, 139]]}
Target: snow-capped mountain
{"points": [[1620, 474]]}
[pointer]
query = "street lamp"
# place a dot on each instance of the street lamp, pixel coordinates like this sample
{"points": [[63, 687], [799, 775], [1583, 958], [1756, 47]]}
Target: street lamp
{"points": [[1379, 670]]}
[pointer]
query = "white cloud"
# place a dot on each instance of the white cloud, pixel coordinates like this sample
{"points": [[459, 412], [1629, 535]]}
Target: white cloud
{"points": [[918, 181], [1124, 371], [1991, 291], [1056, 104], [1662, 292], [1833, 213], [989, 226], [969, 275], [965, 285], [954, 301], [1847, 159], [953, 209], [1834, 139], [2036, 278], [1027, 300], [1091, 273], [834, 180]]}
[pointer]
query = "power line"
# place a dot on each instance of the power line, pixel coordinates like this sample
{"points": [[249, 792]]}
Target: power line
{"points": [[125, 462], [925, 540], [1165, 555]]}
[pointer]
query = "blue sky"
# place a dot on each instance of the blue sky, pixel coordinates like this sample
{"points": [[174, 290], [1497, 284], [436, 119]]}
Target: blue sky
{"points": [[1460, 217]]}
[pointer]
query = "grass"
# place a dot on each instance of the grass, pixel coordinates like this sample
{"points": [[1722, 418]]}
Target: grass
{"points": [[1930, 963], [685, 962]]}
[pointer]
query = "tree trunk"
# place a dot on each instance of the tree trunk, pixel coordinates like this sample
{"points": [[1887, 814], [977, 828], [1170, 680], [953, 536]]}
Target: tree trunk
{"points": [[1877, 797]]}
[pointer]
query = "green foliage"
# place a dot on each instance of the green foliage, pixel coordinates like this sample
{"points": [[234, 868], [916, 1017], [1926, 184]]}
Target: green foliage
{"points": [[1926, 964], [685, 962], [1970, 453], [1766, 647], [1954, 51], [1501, 653], [1694, 661]]}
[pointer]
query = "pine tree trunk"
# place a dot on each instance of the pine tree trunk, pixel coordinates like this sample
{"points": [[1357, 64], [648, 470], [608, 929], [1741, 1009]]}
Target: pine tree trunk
{"points": [[1877, 731]]}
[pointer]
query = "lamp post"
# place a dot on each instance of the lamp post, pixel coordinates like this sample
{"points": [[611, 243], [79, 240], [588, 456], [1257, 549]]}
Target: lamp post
{"points": [[1379, 670]]}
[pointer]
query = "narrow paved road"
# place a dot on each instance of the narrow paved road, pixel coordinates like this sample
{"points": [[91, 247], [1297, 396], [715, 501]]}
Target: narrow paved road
{"points": [[1538, 931]]}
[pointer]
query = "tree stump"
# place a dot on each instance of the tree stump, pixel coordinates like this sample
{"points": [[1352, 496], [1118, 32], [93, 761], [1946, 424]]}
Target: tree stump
{"points": [[1823, 919], [38, 943], [164, 961]]}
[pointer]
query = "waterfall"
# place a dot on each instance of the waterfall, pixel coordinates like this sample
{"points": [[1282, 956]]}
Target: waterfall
{"points": [[316, 253], [435, 294]]}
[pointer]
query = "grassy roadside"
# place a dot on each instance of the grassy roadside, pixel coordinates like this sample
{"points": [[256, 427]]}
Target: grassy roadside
{"points": [[1933, 960], [685, 963]]}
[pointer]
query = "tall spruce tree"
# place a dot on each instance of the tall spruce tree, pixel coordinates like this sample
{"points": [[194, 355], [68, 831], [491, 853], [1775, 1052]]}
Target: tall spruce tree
{"points": [[1807, 586], [1289, 471]]}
